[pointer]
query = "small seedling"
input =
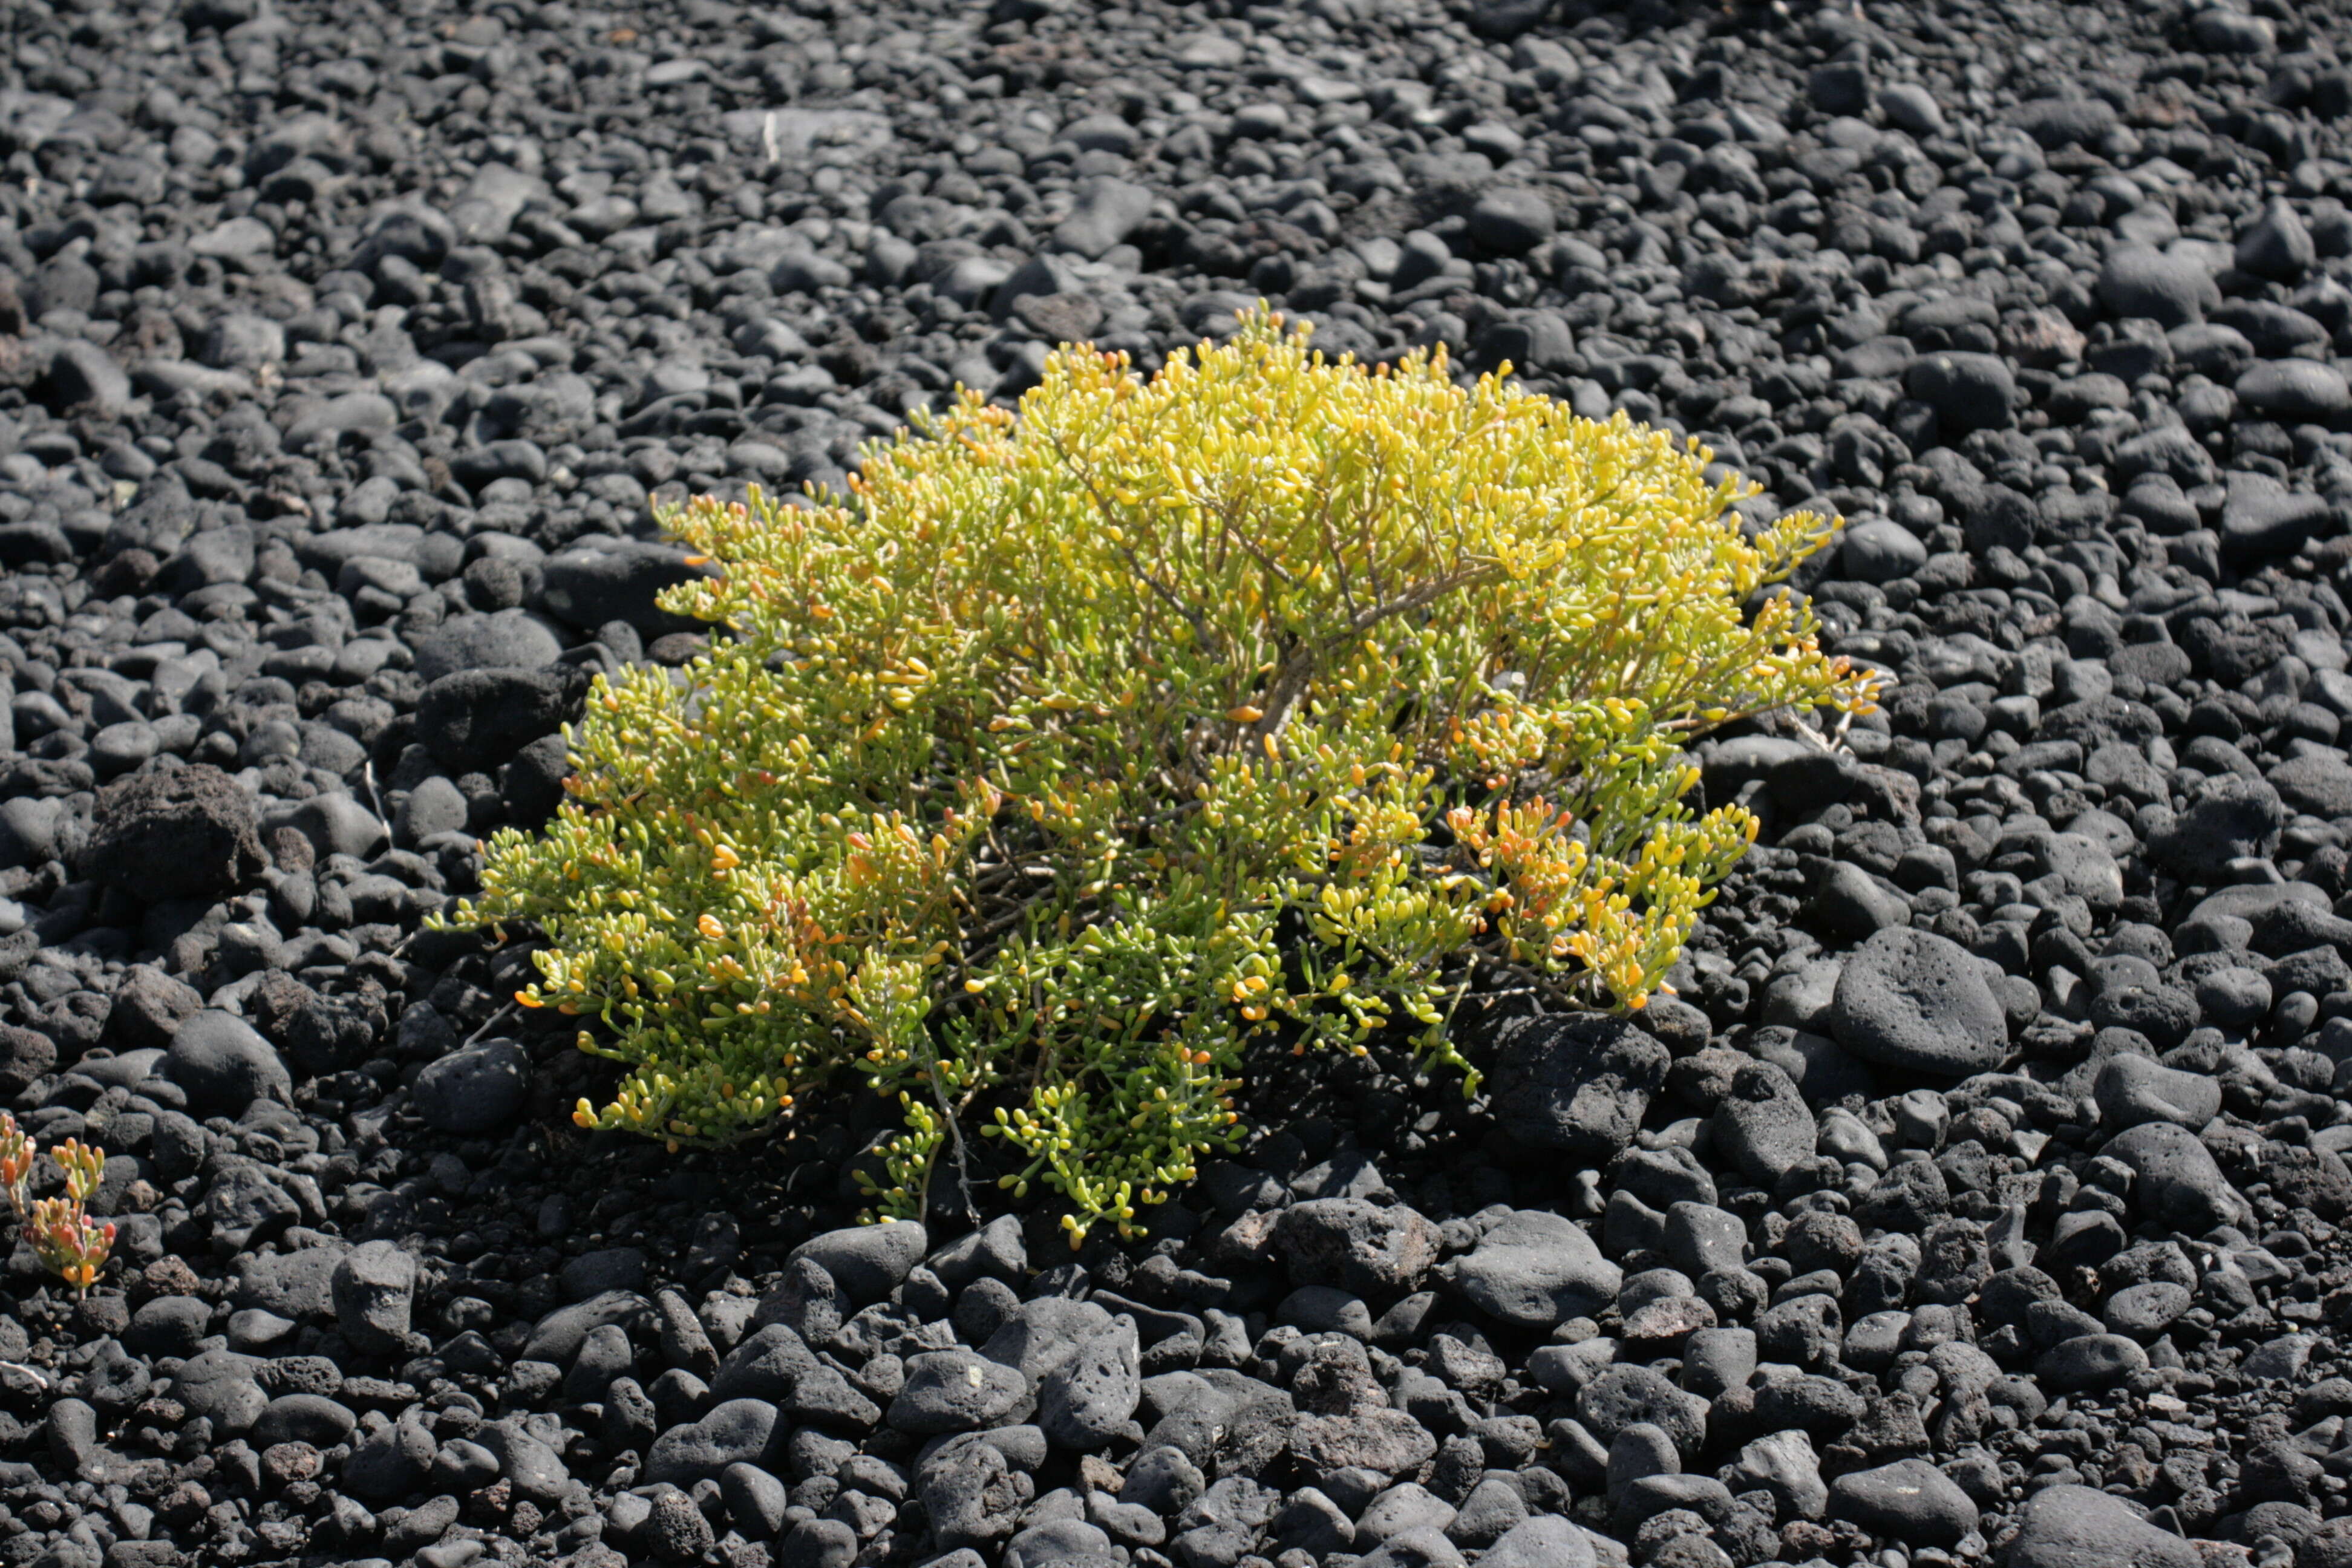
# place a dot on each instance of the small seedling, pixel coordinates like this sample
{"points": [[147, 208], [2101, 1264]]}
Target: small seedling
{"points": [[70, 1244]]}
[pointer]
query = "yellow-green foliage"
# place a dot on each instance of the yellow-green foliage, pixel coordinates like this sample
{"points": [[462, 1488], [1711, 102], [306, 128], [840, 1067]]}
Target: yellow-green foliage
{"points": [[1016, 758]]}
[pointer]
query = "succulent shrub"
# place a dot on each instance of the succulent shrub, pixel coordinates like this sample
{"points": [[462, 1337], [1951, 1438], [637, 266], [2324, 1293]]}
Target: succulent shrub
{"points": [[1072, 752]]}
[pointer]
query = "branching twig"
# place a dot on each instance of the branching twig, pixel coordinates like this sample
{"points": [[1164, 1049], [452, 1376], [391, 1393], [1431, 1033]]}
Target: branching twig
{"points": [[955, 1132], [1299, 667], [367, 773], [489, 1022], [1210, 642]]}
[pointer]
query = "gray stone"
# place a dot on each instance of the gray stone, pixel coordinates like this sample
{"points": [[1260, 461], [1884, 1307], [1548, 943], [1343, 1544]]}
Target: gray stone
{"points": [[2228, 817], [503, 639], [149, 1008], [1699, 1238], [1575, 1085], [807, 1302], [2085, 867], [1910, 1500], [298, 1284], [2173, 291], [2076, 1527], [1356, 1245], [2178, 1182], [27, 1055], [956, 1391], [180, 1145], [1384, 1440], [222, 1387], [338, 825], [1839, 87], [676, 1532], [390, 1464], [1915, 1001], [1785, 1464], [168, 1326], [2263, 517], [2317, 782], [1967, 391], [532, 1468], [2067, 120], [1638, 1452], [1546, 1540], [239, 238], [374, 1286], [1108, 210], [996, 1250], [768, 1365], [1877, 551], [1764, 1124], [2277, 245], [1804, 1330], [2295, 389], [685, 1341], [1043, 1332], [83, 376], [435, 805], [1422, 1548], [755, 1499], [74, 1444], [1799, 993], [2133, 1089], [602, 1271], [1085, 1401], [971, 1493], [352, 410], [867, 1261], [28, 831], [245, 1206], [2090, 1362], [818, 1543], [2282, 1358], [471, 721], [243, 341], [225, 1065], [1535, 1269], [594, 583], [304, 1419], [1911, 106], [1511, 219], [253, 1331], [2145, 1310], [1824, 1070], [1491, 1511], [605, 1357], [475, 1090], [733, 1432], [1058, 1541], [558, 1336], [1630, 1393], [824, 1396], [1507, 19]]}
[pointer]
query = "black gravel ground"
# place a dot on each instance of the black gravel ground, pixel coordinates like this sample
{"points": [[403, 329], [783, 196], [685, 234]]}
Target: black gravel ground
{"points": [[1979, 1202]]}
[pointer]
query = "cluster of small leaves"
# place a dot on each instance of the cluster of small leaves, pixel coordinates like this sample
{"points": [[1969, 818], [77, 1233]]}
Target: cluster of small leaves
{"points": [[69, 1243], [1027, 763]]}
